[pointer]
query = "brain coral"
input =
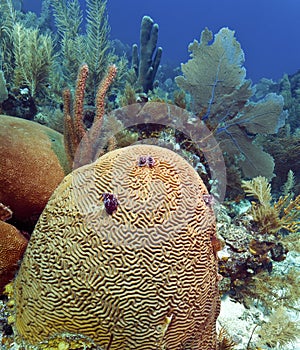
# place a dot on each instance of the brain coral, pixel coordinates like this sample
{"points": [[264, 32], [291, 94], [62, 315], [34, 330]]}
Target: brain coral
{"points": [[143, 276], [12, 247], [32, 163]]}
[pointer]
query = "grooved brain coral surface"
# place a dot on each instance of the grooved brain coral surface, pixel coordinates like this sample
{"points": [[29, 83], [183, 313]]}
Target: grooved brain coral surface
{"points": [[143, 277]]}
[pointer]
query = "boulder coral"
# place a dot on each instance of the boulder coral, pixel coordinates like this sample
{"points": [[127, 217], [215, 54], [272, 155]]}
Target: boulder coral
{"points": [[12, 247], [123, 255], [32, 163]]}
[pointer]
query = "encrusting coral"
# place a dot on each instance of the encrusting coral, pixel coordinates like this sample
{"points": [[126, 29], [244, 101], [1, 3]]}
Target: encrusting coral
{"points": [[123, 255]]}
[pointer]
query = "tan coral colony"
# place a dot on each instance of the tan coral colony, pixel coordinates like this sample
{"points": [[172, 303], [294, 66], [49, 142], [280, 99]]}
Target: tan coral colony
{"points": [[122, 255]]}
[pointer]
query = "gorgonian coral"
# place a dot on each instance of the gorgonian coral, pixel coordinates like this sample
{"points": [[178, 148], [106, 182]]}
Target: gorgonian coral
{"points": [[216, 80]]}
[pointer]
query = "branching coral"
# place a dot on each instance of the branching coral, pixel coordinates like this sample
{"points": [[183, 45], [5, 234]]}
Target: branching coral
{"points": [[224, 340], [75, 132], [97, 45], [274, 289], [3, 89], [271, 217], [279, 330], [7, 22], [90, 47], [33, 53], [215, 78]]}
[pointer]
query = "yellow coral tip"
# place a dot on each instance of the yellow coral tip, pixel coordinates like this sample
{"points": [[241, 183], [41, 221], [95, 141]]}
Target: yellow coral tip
{"points": [[63, 345], [10, 303], [10, 319], [8, 289]]}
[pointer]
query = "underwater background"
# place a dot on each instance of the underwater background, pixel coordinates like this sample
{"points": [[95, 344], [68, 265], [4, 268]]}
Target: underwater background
{"points": [[268, 29], [149, 144]]}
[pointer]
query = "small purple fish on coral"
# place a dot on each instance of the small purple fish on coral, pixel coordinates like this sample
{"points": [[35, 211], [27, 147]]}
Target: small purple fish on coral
{"points": [[110, 202]]}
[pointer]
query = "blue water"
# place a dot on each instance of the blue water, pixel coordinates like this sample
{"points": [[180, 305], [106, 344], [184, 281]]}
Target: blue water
{"points": [[268, 30]]}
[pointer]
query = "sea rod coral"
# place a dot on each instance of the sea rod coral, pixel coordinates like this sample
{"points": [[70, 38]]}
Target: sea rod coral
{"points": [[75, 132]]}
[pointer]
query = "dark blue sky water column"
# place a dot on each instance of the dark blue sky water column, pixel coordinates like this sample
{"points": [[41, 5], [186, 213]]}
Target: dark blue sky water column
{"points": [[267, 30]]}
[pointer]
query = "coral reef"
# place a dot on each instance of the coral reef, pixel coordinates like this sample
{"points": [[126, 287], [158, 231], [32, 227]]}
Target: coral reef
{"points": [[144, 64], [215, 78], [96, 263], [33, 161], [258, 237], [143, 276]]}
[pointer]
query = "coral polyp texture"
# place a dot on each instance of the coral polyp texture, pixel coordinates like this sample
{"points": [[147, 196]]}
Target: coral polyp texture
{"points": [[12, 247], [143, 276], [32, 163]]}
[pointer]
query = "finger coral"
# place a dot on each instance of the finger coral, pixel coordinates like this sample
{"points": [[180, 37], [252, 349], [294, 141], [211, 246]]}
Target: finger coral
{"points": [[143, 276]]}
